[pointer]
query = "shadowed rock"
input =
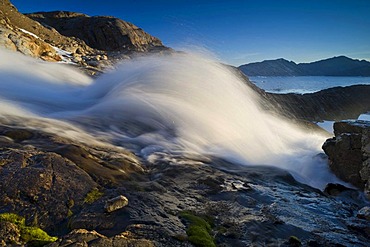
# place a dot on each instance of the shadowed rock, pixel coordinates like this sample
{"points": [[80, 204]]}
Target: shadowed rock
{"points": [[349, 153]]}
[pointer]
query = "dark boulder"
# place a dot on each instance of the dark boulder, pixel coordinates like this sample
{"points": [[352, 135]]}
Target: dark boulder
{"points": [[349, 153]]}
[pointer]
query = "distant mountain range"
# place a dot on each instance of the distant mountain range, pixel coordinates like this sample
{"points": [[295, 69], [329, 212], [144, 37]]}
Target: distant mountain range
{"points": [[336, 66]]}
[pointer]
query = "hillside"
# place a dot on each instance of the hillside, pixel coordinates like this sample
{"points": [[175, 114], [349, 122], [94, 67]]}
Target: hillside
{"points": [[336, 66], [91, 43], [99, 32]]}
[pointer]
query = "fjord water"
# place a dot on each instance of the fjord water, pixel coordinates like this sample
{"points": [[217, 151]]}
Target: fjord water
{"points": [[179, 104], [305, 84]]}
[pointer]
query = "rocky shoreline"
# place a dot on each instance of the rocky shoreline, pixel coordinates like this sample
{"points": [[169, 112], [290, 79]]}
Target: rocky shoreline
{"points": [[64, 187], [88, 194]]}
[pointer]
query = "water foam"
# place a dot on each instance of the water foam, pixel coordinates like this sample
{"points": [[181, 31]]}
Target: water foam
{"points": [[180, 103]]}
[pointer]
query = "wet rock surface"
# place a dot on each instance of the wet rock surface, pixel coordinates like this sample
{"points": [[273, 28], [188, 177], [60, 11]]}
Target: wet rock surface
{"points": [[245, 206], [349, 153], [48, 185]]}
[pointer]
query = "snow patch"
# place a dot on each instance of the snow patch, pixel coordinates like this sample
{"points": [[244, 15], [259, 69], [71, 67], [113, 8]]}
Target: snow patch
{"points": [[27, 32], [65, 55]]}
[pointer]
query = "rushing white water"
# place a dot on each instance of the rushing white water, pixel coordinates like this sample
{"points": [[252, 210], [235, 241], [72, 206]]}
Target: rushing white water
{"points": [[180, 103]]}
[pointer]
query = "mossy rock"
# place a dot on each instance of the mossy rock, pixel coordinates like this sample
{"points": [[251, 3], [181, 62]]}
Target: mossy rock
{"points": [[33, 236], [36, 235], [13, 218], [198, 230], [93, 196], [199, 236]]}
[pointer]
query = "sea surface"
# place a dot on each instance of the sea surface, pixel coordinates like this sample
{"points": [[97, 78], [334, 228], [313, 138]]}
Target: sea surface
{"points": [[304, 84]]}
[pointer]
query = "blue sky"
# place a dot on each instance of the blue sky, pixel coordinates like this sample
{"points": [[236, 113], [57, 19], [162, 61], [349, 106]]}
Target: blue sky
{"points": [[241, 31]]}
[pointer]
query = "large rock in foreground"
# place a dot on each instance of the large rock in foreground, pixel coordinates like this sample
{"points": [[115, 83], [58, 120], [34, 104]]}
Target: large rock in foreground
{"points": [[49, 179], [349, 153]]}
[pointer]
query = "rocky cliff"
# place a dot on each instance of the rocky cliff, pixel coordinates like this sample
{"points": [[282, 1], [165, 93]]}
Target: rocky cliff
{"points": [[349, 153], [91, 43], [99, 32], [15, 34], [336, 66]]}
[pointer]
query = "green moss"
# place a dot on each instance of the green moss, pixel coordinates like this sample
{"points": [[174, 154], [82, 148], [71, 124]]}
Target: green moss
{"points": [[93, 196], [30, 233], [13, 218], [33, 236], [198, 230]]}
